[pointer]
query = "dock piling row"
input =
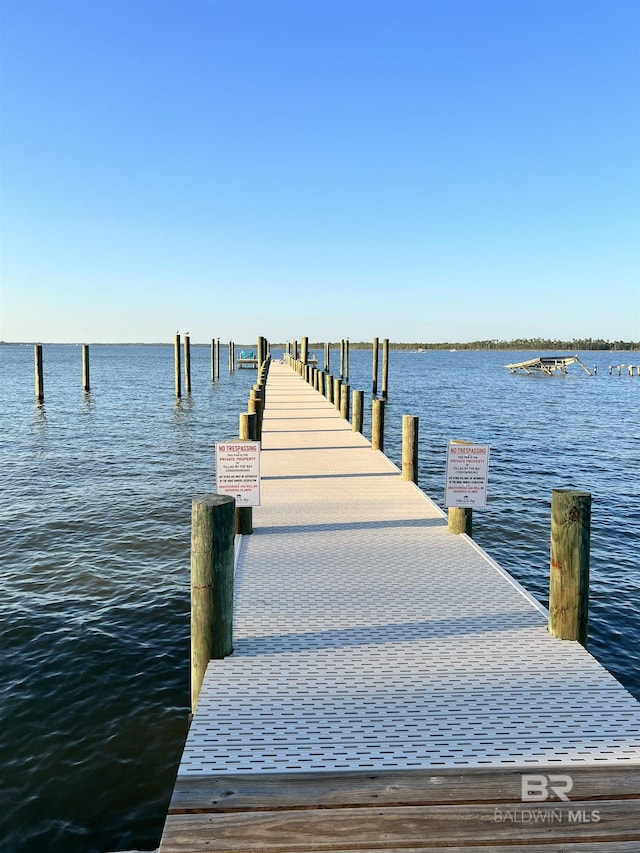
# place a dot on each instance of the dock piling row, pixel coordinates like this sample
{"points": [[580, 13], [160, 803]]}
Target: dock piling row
{"points": [[570, 522]]}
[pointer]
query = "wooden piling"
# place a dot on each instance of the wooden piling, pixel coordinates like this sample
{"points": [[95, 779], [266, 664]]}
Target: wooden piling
{"points": [[248, 431], [304, 350], [346, 360], [385, 367], [345, 399], [329, 387], [410, 448], [569, 569], [212, 565], [337, 384], [374, 368], [321, 388], [377, 424], [213, 360], [217, 358], [86, 382], [327, 358], [342, 359], [256, 407], [460, 520], [358, 410], [187, 364], [176, 365], [38, 372]]}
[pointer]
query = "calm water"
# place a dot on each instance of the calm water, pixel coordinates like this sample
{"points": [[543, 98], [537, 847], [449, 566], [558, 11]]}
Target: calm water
{"points": [[94, 550]]}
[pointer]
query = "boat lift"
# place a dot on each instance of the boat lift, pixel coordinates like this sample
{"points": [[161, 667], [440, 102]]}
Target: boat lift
{"points": [[548, 364]]}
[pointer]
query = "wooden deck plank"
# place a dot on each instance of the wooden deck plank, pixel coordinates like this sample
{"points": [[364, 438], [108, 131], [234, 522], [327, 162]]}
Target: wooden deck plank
{"points": [[419, 787], [381, 827]]}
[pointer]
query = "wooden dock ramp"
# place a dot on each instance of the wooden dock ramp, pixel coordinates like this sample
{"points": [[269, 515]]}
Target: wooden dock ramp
{"points": [[391, 687]]}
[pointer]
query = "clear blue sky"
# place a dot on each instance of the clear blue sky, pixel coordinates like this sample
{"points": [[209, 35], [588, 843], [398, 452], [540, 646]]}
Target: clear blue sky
{"points": [[423, 171]]}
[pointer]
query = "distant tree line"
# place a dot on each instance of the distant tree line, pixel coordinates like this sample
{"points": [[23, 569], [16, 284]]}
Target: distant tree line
{"points": [[574, 345]]}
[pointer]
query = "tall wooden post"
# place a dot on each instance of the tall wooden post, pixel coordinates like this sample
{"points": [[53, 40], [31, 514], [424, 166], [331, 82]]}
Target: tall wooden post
{"points": [[248, 431], [358, 410], [321, 378], [213, 360], [230, 356], [217, 358], [212, 564], [569, 581], [255, 406], [344, 401], [337, 384], [460, 520], [304, 350], [346, 360], [187, 364], [385, 367], [176, 365], [86, 382], [410, 448], [377, 424], [342, 358], [38, 372], [327, 360], [374, 368]]}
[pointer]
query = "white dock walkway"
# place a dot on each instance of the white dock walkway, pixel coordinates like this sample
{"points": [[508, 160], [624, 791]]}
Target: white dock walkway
{"points": [[390, 684]]}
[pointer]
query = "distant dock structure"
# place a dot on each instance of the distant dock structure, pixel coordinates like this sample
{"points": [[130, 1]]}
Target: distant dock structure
{"points": [[548, 364], [247, 359]]}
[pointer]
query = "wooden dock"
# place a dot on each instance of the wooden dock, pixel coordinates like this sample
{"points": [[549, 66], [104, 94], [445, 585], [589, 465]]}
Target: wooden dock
{"points": [[250, 362], [391, 687], [548, 364]]}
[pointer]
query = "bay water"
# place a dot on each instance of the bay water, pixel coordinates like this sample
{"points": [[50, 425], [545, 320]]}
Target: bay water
{"points": [[94, 549]]}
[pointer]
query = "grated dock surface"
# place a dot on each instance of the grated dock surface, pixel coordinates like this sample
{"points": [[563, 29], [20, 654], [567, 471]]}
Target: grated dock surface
{"points": [[367, 637]]}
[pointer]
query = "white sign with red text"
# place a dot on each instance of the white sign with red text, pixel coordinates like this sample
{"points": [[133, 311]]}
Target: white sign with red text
{"points": [[467, 474], [238, 471]]}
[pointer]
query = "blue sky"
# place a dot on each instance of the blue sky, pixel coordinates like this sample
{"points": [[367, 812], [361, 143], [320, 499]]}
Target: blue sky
{"points": [[423, 171]]}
